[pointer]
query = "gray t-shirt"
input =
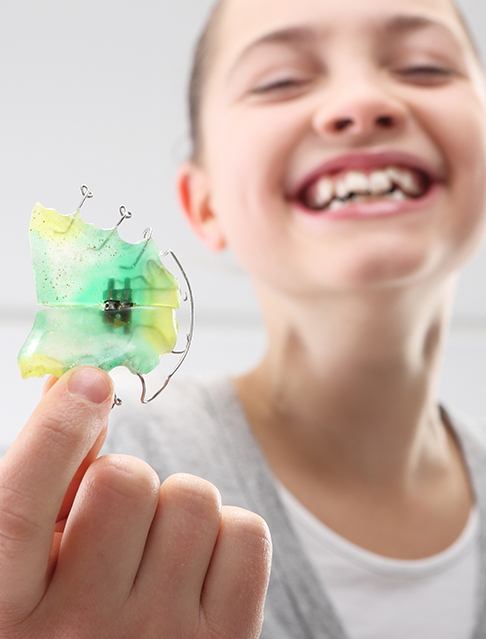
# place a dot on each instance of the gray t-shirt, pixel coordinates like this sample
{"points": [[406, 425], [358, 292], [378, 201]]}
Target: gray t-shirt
{"points": [[199, 427]]}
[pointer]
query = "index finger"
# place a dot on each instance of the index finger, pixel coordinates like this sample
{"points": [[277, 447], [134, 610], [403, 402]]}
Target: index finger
{"points": [[35, 474]]}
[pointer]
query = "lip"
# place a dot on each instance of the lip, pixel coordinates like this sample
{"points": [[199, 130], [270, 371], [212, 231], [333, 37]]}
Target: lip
{"points": [[366, 160], [371, 210]]}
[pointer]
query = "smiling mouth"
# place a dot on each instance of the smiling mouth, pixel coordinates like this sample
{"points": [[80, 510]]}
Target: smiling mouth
{"points": [[334, 192]]}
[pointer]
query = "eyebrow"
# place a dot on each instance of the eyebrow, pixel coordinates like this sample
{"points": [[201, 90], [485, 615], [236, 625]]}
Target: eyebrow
{"points": [[394, 26]]}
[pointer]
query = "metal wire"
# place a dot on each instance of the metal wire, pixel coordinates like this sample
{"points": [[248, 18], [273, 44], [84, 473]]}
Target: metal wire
{"points": [[125, 215], [189, 336], [86, 193]]}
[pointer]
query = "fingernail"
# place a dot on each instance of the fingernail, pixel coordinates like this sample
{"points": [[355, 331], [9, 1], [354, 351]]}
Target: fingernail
{"points": [[91, 384]]}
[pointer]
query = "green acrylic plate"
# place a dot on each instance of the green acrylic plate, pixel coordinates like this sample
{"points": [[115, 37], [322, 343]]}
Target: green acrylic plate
{"points": [[78, 268]]}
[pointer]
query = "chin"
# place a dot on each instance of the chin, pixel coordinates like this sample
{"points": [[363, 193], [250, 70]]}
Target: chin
{"points": [[375, 270]]}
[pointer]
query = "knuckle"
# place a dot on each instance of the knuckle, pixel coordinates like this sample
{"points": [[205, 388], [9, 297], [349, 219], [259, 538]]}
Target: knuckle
{"points": [[123, 475], [215, 629], [193, 493], [58, 431], [245, 523]]}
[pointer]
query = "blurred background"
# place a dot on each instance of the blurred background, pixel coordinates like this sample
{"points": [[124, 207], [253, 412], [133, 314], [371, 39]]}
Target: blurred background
{"points": [[94, 92]]}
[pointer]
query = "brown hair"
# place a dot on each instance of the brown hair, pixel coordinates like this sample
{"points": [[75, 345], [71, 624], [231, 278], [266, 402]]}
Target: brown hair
{"points": [[202, 58], [469, 34]]}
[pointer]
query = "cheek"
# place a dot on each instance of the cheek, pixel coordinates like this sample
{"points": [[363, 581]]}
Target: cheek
{"points": [[463, 133], [247, 157], [252, 146], [466, 140]]}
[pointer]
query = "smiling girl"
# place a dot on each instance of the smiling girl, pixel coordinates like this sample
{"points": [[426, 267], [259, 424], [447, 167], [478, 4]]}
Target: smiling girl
{"points": [[339, 152]]}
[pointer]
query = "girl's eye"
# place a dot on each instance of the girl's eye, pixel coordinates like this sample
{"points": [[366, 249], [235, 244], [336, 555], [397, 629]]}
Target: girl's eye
{"points": [[285, 83], [292, 83], [427, 70]]}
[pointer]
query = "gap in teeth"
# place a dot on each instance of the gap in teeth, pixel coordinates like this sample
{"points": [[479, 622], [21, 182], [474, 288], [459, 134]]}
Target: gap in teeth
{"points": [[410, 184], [354, 196], [394, 193], [338, 203]]}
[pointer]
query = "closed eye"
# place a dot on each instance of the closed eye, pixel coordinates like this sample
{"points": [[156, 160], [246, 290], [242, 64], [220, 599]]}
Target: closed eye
{"points": [[290, 83], [286, 83], [427, 70]]}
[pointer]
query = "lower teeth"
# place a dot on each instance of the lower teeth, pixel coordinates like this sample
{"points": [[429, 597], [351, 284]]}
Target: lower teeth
{"points": [[397, 196]]}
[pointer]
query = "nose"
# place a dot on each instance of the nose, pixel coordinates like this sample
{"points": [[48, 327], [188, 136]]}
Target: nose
{"points": [[365, 114]]}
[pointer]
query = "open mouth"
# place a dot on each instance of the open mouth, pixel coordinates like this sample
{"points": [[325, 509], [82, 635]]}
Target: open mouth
{"points": [[343, 189]]}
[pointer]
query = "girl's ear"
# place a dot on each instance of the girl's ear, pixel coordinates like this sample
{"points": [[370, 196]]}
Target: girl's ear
{"points": [[194, 196]]}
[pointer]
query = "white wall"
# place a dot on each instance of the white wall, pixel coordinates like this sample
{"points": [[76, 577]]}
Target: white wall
{"points": [[94, 91]]}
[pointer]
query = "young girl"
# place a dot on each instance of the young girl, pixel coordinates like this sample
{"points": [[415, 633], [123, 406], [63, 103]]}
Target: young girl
{"points": [[340, 153], [336, 437]]}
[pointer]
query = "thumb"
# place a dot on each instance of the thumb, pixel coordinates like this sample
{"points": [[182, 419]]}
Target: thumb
{"points": [[36, 479], [87, 461]]}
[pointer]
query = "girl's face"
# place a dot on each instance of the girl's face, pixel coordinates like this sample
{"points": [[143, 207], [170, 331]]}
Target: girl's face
{"points": [[296, 83]]}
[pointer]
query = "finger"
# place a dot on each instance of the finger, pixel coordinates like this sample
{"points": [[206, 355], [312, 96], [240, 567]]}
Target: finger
{"points": [[105, 534], [76, 480], [35, 474], [178, 552], [234, 592], [49, 384]]}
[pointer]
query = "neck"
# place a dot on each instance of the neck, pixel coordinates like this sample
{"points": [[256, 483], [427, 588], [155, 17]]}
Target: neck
{"points": [[347, 389]]}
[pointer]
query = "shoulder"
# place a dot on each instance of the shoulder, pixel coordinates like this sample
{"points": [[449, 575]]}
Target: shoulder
{"points": [[470, 430]]}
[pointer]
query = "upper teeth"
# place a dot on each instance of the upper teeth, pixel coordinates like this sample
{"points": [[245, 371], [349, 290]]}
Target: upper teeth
{"points": [[377, 182]]}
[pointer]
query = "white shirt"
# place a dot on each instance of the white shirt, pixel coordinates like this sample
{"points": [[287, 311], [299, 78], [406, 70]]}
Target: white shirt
{"points": [[378, 597]]}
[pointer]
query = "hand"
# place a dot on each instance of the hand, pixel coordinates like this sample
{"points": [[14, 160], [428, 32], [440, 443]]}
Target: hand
{"points": [[98, 549]]}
